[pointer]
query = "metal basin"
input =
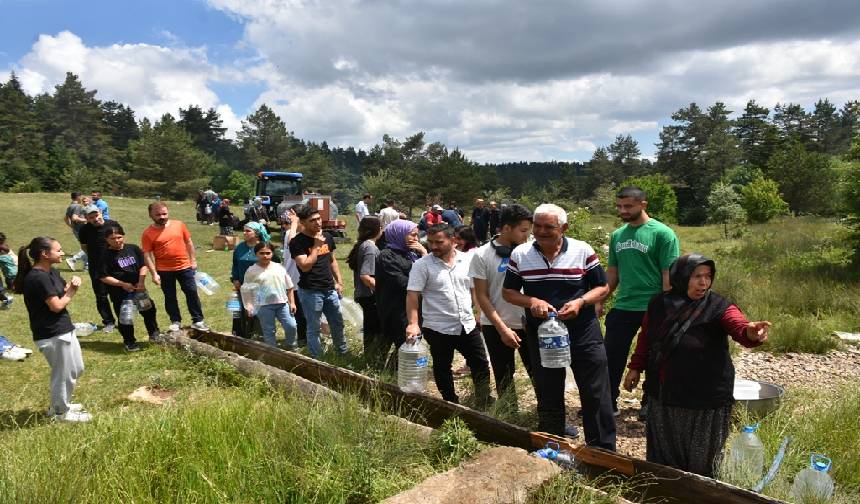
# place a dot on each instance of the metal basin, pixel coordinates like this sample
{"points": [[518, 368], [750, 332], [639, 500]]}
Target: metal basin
{"points": [[758, 397]]}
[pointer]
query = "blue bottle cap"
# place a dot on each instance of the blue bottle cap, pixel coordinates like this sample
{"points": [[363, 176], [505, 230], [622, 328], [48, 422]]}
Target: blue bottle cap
{"points": [[819, 462], [750, 428]]}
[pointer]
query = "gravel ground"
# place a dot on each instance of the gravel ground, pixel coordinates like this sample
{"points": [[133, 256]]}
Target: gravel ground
{"points": [[790, 371]]}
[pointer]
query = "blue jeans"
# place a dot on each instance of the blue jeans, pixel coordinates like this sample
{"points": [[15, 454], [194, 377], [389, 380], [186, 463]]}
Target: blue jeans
{"points": [[268, 314], [314, 303]]}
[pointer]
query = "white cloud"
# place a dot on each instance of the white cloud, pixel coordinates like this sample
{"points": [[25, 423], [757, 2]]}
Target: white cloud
{"points": [[153, 80]]}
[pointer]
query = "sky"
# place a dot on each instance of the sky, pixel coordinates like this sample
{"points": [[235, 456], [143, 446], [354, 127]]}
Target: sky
{"points": [[500, 80]]}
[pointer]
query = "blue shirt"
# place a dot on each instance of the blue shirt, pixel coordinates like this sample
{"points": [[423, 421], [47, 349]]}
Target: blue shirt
{"points": [[452, 218], [103, 206], [243, 258]]}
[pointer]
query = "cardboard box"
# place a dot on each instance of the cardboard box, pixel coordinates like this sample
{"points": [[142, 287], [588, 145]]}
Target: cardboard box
{"points": [[220, 241]]}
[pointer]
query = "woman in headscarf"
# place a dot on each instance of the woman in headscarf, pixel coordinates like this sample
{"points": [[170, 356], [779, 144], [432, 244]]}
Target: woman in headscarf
{"points": [[684, 348], [243, 258], [391, 276]]}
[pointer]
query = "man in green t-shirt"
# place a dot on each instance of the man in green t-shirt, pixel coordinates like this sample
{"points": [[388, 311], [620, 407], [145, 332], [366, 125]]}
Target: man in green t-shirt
{"points": [[640, 253]]}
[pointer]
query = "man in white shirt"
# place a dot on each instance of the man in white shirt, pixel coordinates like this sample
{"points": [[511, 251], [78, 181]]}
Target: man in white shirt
{"points": [[502, 322], [362, 208], [441, 279], [388, 214]]}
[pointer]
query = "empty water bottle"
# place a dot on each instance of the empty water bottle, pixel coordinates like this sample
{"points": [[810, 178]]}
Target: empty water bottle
{"points": [[554, 343], [85, 328], [746, 457], [127, 311], [552, 451], [234, 306], [250, 293], [412, 365], [813, 484], [206, 283]]}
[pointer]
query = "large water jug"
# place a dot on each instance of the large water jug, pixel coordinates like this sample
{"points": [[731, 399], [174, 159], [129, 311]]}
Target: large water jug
{"points": [[206, 283], [127, 311], [813, 484], [234, 306], [412, 365], [84, 329], [554, 343], [250, 292], [746, 458]]}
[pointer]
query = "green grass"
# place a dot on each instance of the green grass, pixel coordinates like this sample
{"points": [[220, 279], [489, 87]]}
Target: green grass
{"points": [[817, 423]]}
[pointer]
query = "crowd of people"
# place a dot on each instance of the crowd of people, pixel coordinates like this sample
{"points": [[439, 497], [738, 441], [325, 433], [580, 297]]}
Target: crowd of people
{"points": [[481, 290]]}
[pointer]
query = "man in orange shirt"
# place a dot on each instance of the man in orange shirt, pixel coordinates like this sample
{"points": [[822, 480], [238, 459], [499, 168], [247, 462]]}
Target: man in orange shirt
{"points": [[169, 254]]}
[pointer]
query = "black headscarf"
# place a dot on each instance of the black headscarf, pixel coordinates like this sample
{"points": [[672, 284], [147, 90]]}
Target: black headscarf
{"points": [[680, 311]]}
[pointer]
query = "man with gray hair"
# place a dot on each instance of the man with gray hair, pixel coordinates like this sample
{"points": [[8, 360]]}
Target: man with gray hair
{"points": [[562, 275]]}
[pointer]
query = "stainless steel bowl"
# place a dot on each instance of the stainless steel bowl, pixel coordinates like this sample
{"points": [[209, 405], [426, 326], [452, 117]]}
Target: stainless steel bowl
{"points": [[760, 402]]}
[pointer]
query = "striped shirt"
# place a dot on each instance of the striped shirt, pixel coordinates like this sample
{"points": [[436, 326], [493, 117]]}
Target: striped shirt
{"points": [[573, 272]]}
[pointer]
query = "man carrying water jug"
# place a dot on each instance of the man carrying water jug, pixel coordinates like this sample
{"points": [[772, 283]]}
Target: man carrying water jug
{"points": [[556, 274], [170, 257], [441, 279]]}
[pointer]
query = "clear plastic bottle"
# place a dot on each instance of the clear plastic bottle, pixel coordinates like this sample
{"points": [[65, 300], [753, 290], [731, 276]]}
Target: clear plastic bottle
{"points": [[412, 366], [746, 457], [554, 343], [85, 328], [234, 306], [142, 301], [7, 303], [206, 283], [127, 311], [250, 292], [813, 484]]}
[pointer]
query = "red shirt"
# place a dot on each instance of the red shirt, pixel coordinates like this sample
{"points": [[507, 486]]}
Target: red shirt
{"points": [[733, 322], [169, 245], [432, 218]]}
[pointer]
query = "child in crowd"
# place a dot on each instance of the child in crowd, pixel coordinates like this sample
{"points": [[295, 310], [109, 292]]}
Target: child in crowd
{"points": [[276, 295]]}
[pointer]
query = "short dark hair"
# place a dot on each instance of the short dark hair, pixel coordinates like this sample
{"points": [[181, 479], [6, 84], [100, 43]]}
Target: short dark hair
{"points": [[390, 202], [267, 244], [512, 215], [634, 192], [366, 195], [75, 195], [441, 228], [114, 228], [306, 212], [156, 204]]}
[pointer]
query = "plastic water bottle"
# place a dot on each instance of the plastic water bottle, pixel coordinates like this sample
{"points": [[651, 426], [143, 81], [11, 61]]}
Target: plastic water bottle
{"points": [[142, 301], [85, 328], [250, 292], [554, 343], [813, 484], [206, 283], [234, 306], [412, 365], [552, 451], [7, 303], [127, 311], [746, 457]]}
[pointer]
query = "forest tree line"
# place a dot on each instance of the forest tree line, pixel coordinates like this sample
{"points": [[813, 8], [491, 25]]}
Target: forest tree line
{"points": [[708, 157]]}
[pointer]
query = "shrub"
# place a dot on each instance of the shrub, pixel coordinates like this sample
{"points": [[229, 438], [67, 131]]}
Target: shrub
{"points": [[724, 208], [454, 442], [761, 200]]}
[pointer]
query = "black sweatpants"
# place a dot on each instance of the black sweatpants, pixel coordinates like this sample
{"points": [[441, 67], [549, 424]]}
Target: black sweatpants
{"points": [[117, 296], [100, 289], [502, 358], [471, 347], [371, 327], [621, 328], [588, 362]]}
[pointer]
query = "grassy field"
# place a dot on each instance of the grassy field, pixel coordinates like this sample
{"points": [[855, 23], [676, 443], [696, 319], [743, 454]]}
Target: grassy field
{"points": [[223, 438]]}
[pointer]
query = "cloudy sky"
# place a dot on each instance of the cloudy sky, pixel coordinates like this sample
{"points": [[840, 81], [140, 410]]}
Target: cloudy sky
{"points": [[502, 81]]}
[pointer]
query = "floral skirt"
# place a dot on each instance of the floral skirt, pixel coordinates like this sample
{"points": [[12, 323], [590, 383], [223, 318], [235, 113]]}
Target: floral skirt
{"points": [[688, 439]]}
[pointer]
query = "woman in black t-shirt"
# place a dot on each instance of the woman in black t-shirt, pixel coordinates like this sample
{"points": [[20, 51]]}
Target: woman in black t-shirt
{"points": [[124, 272], [46, 296]]}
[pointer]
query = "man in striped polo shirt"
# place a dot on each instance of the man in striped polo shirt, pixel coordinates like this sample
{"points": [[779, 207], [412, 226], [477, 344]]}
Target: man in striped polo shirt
{"points": [[563, 275]]}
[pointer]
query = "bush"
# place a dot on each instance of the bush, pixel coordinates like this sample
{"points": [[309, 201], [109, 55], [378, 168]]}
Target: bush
{"points": [[239, 187], [761, 200], [662, 201], [454, 442], [724, 208]]}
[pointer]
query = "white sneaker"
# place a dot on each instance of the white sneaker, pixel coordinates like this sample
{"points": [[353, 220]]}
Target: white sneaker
{"points": [[173, 327], [108, 328], [74, 416], [71, 263], [76, 407], [200, 326], [13, 354], [25, 351]]}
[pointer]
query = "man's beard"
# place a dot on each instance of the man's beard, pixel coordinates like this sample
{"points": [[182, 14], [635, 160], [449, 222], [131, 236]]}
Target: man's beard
{"points": [[632, 217]]}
